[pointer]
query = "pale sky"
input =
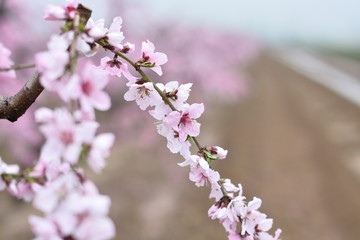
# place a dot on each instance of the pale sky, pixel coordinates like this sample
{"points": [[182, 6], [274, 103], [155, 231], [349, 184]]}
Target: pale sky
{"points": [[328, 21], [332, 22]]}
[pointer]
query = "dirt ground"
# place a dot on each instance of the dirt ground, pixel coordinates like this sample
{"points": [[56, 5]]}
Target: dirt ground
{"points": [[292, 143]]}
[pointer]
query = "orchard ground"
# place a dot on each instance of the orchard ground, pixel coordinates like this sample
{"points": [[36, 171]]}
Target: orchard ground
{"points": [[291, 142]]}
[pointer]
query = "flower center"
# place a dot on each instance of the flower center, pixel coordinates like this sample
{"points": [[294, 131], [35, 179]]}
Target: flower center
{"points": [[86, 87], [185, 119], [172, 95], [145, 58], [143, 92], [66, 137], [114, 63]]}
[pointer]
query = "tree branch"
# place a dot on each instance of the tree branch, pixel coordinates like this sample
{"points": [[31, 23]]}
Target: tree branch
{"points": [[11, 108], [17, 67]]}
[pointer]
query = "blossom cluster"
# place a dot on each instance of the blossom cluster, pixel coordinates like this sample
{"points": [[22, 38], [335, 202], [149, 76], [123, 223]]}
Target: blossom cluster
{"points": [[177, 122], [72, 205], [179, 42], [179, 126]]}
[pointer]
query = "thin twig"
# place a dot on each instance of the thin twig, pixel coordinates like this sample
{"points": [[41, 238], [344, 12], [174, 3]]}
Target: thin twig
{"points": [[17, 67]]}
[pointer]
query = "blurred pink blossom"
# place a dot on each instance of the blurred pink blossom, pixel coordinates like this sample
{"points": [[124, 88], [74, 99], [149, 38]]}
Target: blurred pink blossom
{"points": [[53, 12], [6, 62]]}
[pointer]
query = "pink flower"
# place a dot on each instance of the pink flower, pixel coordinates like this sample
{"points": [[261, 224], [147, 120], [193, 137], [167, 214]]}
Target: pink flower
{"points": [[262, 226], [200, 171], [150, 57], [92, 83], [160, 112], [252, 206], [198, 176], [44, 228], [235, 207], [100, 149], [50, 170], [127, 48], [251, 217], [247, 238], [88, 89], [201, 176], [64, 137], [7, 169], [114, 35], [49, 196], [96, 30], [114, 67], [104, 229], [220, 208], [277, 234], [5, 62], [93, 204], [68, 88], [84, 44], [175, 93], [228, 186], [194, 161], [21, 190], [267, 236], [185, 121], [173, 143], [231, 228], [216, 192], [227, 209], [217, 151], [231, 188], [143, 93], [53, 12], [257, 226], [86, 40], [234, 236], [52, 63], [74, 208]]}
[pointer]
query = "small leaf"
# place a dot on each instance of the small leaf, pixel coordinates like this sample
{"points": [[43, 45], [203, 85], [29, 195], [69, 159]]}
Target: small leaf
{"points": [[81, 27], [210, 156], [67, 26]]}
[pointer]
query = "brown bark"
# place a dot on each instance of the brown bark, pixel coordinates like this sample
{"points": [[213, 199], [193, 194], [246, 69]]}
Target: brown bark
{"points": [[13, 107]]}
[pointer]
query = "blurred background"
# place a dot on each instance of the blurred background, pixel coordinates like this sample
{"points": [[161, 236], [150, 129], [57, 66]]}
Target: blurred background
{"points": [[281, 85]]}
